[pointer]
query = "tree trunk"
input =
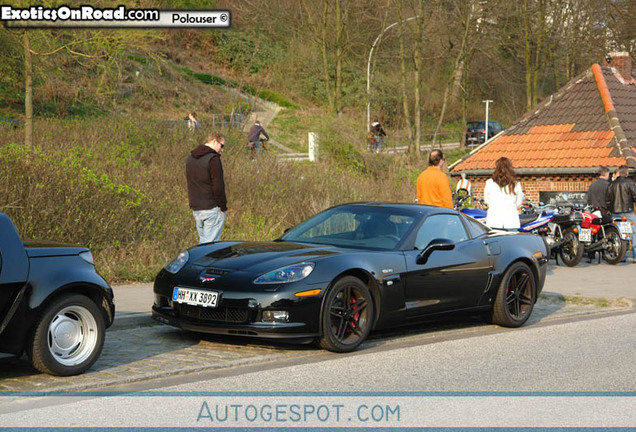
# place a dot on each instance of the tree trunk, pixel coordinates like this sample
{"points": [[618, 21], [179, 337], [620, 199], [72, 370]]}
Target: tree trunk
{"points": [[339, 30], [405, 100], [417, 74], [538, 52], [325, 59], [527, 54], [28, 91], [457, 71]]}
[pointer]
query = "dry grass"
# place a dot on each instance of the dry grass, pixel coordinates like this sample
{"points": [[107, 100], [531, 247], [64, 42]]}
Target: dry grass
{"points": [[117, 185]]}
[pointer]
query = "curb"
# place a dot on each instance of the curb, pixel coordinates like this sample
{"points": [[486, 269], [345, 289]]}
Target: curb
{"points": [[130, 320]]}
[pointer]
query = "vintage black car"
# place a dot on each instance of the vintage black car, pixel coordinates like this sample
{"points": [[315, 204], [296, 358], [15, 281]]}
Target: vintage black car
{"points": [[351, 269], [53, 304]]}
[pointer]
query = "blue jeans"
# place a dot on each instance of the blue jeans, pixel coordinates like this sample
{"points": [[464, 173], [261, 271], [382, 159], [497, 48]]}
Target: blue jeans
{"points": [[209, 224], [257, 146], [631, 217]]}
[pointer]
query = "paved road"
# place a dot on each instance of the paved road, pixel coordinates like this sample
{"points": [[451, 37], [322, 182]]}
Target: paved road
{"points": [[139, 349], [600, 358]]}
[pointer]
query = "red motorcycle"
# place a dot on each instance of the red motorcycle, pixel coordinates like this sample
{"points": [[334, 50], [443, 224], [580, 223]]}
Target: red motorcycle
{"points": [[603, 234]]}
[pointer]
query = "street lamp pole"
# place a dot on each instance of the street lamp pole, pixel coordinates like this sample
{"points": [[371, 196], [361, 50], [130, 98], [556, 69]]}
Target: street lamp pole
{"points": [[375, 42], [486, 134]]}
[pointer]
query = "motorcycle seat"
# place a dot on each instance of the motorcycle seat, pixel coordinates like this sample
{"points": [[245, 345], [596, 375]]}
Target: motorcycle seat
{"points": [[525, 218], [560, 218]]}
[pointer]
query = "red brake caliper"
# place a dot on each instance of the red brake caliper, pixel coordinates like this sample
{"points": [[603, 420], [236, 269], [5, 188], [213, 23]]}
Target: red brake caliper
{"points": [[356, 316]]}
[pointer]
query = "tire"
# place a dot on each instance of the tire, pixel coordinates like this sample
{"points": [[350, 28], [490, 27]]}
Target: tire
{"points": [[572, 250], [347, 315], [516, 296], [69, 336], [616, 248]]}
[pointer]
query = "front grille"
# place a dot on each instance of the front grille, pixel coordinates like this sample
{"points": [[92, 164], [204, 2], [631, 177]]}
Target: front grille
{"points": [[219, 315]]}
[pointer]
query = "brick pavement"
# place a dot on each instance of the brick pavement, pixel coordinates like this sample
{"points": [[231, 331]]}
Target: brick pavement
{"points": [[140, 353]]}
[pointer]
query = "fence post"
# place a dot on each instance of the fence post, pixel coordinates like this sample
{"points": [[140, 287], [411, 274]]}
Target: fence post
{"points": [[313, 146]]}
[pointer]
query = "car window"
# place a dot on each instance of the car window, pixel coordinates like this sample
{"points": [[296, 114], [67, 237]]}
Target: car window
{"points": [[446, 226], [354, 226], [475, 228]]}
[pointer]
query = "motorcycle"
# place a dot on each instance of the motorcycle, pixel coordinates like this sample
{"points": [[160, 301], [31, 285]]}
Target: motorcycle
{"points": [[603, 234], [554, 224]]}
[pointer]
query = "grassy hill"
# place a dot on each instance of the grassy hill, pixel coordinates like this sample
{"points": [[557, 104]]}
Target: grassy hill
{"points": [[107, 168]]}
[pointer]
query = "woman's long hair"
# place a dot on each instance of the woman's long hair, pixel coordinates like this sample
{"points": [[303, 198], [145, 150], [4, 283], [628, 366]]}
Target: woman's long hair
{"points": [[504, 175]]}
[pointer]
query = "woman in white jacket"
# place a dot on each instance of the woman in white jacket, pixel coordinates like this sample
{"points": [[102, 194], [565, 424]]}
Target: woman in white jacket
{"points": [[504, 196]]}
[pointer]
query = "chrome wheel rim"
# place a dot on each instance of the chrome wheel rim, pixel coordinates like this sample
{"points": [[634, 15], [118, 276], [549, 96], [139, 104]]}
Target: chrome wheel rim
{"points": [[614, 244], [72, 335], [571, 246]]}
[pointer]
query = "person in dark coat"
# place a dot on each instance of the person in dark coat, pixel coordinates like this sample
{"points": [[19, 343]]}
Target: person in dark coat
{"points": [[597, 193], [206, 187], [378, 133], [254, 136], [621, 196]]}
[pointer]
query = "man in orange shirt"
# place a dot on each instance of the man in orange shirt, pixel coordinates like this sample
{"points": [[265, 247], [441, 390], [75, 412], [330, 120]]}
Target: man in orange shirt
{"points": [[433, 187]]}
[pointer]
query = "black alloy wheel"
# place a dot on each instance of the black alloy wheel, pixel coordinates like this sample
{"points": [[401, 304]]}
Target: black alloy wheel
{"points": [[572, 249], [615, 248], [516, 296], [347, 315]]}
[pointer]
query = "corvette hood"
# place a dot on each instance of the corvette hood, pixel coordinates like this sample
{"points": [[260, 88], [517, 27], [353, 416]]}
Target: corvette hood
{"points": [[260, 256]]}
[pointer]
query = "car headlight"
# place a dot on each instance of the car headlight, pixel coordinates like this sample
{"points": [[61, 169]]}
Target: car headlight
{"points": [[177, 264], [292, 273]]}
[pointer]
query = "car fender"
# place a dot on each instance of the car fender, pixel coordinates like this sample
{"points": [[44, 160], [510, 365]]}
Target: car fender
{"points": [[513, 251], [366, 277], [363, 270], [54, 276]]}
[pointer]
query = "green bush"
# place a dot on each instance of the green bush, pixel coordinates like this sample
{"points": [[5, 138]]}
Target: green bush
{"points": [[125, 195]]}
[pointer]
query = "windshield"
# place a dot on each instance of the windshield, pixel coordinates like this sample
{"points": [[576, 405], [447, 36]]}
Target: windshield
{"points": [[366, 227], [476, 125]]}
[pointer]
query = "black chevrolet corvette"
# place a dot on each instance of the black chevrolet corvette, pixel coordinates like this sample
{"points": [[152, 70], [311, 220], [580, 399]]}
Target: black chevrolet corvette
{"points": [[351, 269]]}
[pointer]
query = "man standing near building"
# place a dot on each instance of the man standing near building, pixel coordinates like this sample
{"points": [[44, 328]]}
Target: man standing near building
{"points": [[597, 193], [206, 188], [621, 195], [433, 187]]}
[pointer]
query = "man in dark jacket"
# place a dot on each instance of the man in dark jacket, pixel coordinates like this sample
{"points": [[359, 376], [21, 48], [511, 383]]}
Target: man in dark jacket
{"points": [[206, 188], [621, 196], [597, 193], [254, 136]]}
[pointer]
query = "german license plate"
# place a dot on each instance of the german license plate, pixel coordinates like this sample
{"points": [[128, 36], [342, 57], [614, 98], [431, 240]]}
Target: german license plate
{"points": [[585, 235], [625, 228], [195, 297]]}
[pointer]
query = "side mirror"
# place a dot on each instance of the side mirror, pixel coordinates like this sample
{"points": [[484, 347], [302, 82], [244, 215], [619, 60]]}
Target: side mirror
{"points": [[435, 244]]}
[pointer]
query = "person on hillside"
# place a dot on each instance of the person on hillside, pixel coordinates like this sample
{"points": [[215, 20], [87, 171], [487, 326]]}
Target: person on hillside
{"points": [[378, 133], [433, 187], [206, 187], [254, 137], [193, 123], [597, 193], [621, 196], [504, 197]]}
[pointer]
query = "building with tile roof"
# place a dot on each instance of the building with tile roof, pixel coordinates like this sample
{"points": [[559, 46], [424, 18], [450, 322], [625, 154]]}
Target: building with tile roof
{"points": [[559, 146]]}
